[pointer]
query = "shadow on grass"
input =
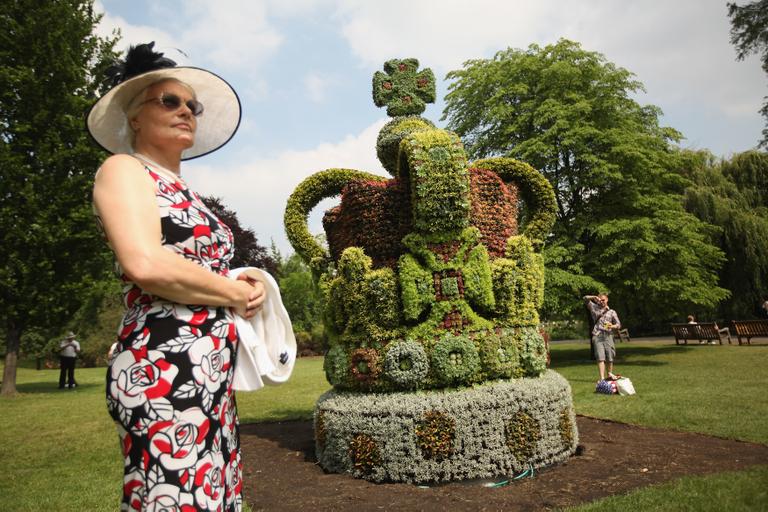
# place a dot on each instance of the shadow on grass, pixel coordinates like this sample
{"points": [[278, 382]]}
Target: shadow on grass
{"points": [[626, 355], [53, 387]]}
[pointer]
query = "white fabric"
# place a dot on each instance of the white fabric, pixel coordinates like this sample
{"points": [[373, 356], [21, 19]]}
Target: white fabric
{"points": [[263, 340], [625, 386], [69, 348]]}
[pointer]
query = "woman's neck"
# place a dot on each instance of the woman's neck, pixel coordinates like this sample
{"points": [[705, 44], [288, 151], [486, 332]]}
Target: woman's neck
{"points": [[169, 160]]}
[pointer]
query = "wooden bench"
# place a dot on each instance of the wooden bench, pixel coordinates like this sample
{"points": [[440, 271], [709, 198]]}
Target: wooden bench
{"points": [[701, 332], [750, 329], [620, 334]]}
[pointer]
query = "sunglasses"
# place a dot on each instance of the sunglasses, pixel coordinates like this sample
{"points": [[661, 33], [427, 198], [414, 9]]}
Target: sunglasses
{"points": [[171, 102]]}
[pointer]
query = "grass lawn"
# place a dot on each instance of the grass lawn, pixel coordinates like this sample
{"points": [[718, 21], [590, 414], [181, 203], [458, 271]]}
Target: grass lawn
{"points": [[59, 451]]}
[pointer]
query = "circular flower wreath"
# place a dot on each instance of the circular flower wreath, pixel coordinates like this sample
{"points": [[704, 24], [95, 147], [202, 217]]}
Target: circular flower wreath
{"points": [[406, 364], [455, 360], [499, 356], [364, 364]]}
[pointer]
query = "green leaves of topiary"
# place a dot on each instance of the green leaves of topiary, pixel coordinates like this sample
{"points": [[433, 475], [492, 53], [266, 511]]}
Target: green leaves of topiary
{"points": [[455, 360], [406, 364], [402, 88]]}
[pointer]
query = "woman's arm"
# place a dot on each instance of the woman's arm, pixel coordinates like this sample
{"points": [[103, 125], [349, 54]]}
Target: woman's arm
{"points": [[124, 196]]}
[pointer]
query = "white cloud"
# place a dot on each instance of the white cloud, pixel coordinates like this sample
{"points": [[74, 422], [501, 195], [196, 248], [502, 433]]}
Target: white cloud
{"points": [[258, 190], [137, 34], [316, 86], [229, 33], [679, 50]]}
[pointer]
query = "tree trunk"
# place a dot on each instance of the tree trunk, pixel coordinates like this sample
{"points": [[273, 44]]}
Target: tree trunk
{"points": [[13, 337]]}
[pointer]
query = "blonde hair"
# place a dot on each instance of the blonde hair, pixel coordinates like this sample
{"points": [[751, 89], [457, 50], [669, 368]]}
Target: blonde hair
{"points": [[134, 106]]}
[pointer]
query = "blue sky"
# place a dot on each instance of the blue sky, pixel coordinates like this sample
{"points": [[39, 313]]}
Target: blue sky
{"points": [[303, 70]]}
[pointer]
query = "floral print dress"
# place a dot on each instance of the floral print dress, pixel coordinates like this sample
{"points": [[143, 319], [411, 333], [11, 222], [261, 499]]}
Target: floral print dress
{"points": [[169, 382]]}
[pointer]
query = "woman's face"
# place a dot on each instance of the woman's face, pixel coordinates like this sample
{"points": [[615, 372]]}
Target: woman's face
{"points": [[157, 125]]}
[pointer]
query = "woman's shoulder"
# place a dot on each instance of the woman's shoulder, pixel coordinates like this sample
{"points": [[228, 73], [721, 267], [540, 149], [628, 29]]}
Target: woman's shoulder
{"points": [[120, 165]]}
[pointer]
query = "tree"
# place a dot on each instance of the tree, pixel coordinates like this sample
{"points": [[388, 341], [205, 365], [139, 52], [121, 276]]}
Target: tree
{"points": [[749, 34], [620, 220], [248, 252], [53, 256], [732, 195]]}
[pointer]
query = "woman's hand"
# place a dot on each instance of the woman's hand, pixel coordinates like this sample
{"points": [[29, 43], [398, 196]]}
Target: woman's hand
{"points": [[253, 295]]}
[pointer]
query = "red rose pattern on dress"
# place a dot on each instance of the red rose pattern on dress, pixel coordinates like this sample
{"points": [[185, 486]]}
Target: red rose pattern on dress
{"points": [[169, 383]]}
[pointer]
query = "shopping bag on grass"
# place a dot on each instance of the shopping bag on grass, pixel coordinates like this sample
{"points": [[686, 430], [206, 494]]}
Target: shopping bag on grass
{"points": [[625, 386]]}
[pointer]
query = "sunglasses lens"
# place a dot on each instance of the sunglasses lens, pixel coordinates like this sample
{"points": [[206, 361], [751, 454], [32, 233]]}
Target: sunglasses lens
{"points": [[170, 101], [173, 102], [196, 107]]}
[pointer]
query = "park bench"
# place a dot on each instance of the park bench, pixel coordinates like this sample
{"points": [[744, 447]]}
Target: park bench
{"points": [[750, 329], [701, 332], [620, 334]]}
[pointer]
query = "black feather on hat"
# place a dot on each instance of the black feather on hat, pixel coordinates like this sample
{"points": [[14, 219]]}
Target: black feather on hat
{"points": [[139, 59]]}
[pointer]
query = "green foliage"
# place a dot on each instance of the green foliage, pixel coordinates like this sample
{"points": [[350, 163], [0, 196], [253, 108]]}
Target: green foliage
{"points": [[305, 303], [402, 89], [620, 219], [416, 287], [455, 360], [364, 305], [749, 34], [500, 357], [52, 253], [390, 136], [319, 186], [565, 281], [659, 264], [406, 364], [731, 195], [518, 283], [533, 352], [437, 167]]}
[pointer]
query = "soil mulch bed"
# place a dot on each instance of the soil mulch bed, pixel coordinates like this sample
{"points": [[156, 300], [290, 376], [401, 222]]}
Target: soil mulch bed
{"points": [[280, 471]]}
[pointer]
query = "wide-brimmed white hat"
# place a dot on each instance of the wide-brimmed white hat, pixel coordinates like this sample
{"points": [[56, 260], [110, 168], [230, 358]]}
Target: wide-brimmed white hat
{"points": [[108, 124]]}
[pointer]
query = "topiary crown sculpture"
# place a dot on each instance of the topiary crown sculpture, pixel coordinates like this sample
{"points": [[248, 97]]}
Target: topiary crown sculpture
{"points": [[428, 282]]}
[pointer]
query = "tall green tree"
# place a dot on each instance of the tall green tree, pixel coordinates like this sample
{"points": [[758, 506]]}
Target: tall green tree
{"points": [[52, 255], [733, 195], [570, 113], [749, 34]]}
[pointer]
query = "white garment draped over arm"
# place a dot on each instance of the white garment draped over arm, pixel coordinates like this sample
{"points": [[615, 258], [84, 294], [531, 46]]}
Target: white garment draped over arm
{"points": [[266, 348]]}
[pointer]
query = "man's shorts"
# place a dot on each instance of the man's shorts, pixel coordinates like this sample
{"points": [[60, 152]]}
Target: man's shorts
{"points": [[605, 350]]}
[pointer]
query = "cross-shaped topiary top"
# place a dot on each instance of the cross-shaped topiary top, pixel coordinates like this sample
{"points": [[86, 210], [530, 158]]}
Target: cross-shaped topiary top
{"points": [[402, 89]]}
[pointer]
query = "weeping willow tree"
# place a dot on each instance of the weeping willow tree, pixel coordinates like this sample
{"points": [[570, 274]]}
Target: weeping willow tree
{"points": [[733, 195]]}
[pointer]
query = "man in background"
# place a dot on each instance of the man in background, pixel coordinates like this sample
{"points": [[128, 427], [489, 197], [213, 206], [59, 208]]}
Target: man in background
{"points": [[605, 320], [69, 348]]}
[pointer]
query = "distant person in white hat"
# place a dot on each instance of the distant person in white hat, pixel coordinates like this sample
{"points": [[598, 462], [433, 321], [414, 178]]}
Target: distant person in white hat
{"points": [[68, 350], [169, 383]]}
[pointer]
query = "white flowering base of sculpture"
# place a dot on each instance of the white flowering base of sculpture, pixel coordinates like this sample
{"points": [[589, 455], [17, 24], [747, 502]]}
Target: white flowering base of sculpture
{"points": [[498, 428]]}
